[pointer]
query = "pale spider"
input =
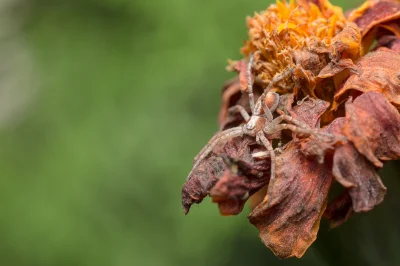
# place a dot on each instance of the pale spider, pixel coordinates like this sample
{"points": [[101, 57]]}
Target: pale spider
{"points": [[260, 123]]}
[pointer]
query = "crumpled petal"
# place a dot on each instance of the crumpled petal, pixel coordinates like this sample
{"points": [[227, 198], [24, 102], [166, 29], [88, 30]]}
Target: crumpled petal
{"points": [[241, 67], [333, 69], [339, 210], [373, 13], [317, 148], [379, 72], [389, 41], [310, 111], [347, 43], [201, 181], [210, 170], [371, 16], [230, 92], [373, 125], [352, 170], [241, 180], [289, 218]]}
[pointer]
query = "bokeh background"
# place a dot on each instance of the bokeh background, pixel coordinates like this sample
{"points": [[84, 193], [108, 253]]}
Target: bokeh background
{"points": [[103, 105]]}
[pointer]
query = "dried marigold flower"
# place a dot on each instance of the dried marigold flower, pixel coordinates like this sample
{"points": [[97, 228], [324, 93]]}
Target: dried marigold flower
{"points": [[312, 83]]}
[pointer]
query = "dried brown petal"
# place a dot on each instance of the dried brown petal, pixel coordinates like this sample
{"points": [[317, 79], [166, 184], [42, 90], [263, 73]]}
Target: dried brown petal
{"points": [[345, 48], [238, 183], [373, 125], [380, 71], [373, 13], [354, 171], [289, 219], [304, 80], [347, 43], [241, 67], [317, 148], [339, 210], [390, 28], [333, 69], [203, 178], [309, 60], [230, 94], [389, 41], [310, 111], [207, 174]]}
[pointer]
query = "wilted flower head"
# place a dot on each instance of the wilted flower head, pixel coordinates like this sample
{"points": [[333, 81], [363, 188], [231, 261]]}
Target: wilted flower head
{"points": [[327, 92]]}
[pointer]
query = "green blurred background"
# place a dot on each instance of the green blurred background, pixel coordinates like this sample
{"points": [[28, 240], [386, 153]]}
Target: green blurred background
{"points": [[103, 105]]}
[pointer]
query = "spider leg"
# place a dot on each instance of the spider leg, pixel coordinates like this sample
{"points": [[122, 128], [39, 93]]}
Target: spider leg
{"points": [[222, 136], [250, 84], [269, 127], [267, 111], [241, 110], [270, 149], [298, 127], [293, 128]]}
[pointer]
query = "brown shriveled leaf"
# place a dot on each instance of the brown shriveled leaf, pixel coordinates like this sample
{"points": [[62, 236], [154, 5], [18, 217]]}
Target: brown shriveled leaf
{"points": [[352, 170], [339, 210], [289, 218], [373, 125], [207, 174], [380, 71], [238, 183], [373, 13]]}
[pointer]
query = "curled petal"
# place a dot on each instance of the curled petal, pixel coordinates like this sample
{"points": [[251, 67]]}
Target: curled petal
{"points": [[207, 174], [333, 69], [373, 13], [288, 220], [373, 125], [339, 210], [241, 67], [354, 171], [230, 93], [201, 181], [347, 43], [310, 111], [391, 42], [317, 148], [238, 183], [380, 71]]}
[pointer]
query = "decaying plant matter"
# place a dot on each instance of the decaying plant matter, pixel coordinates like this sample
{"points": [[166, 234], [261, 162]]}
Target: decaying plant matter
{"points": [[316, 101]]}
